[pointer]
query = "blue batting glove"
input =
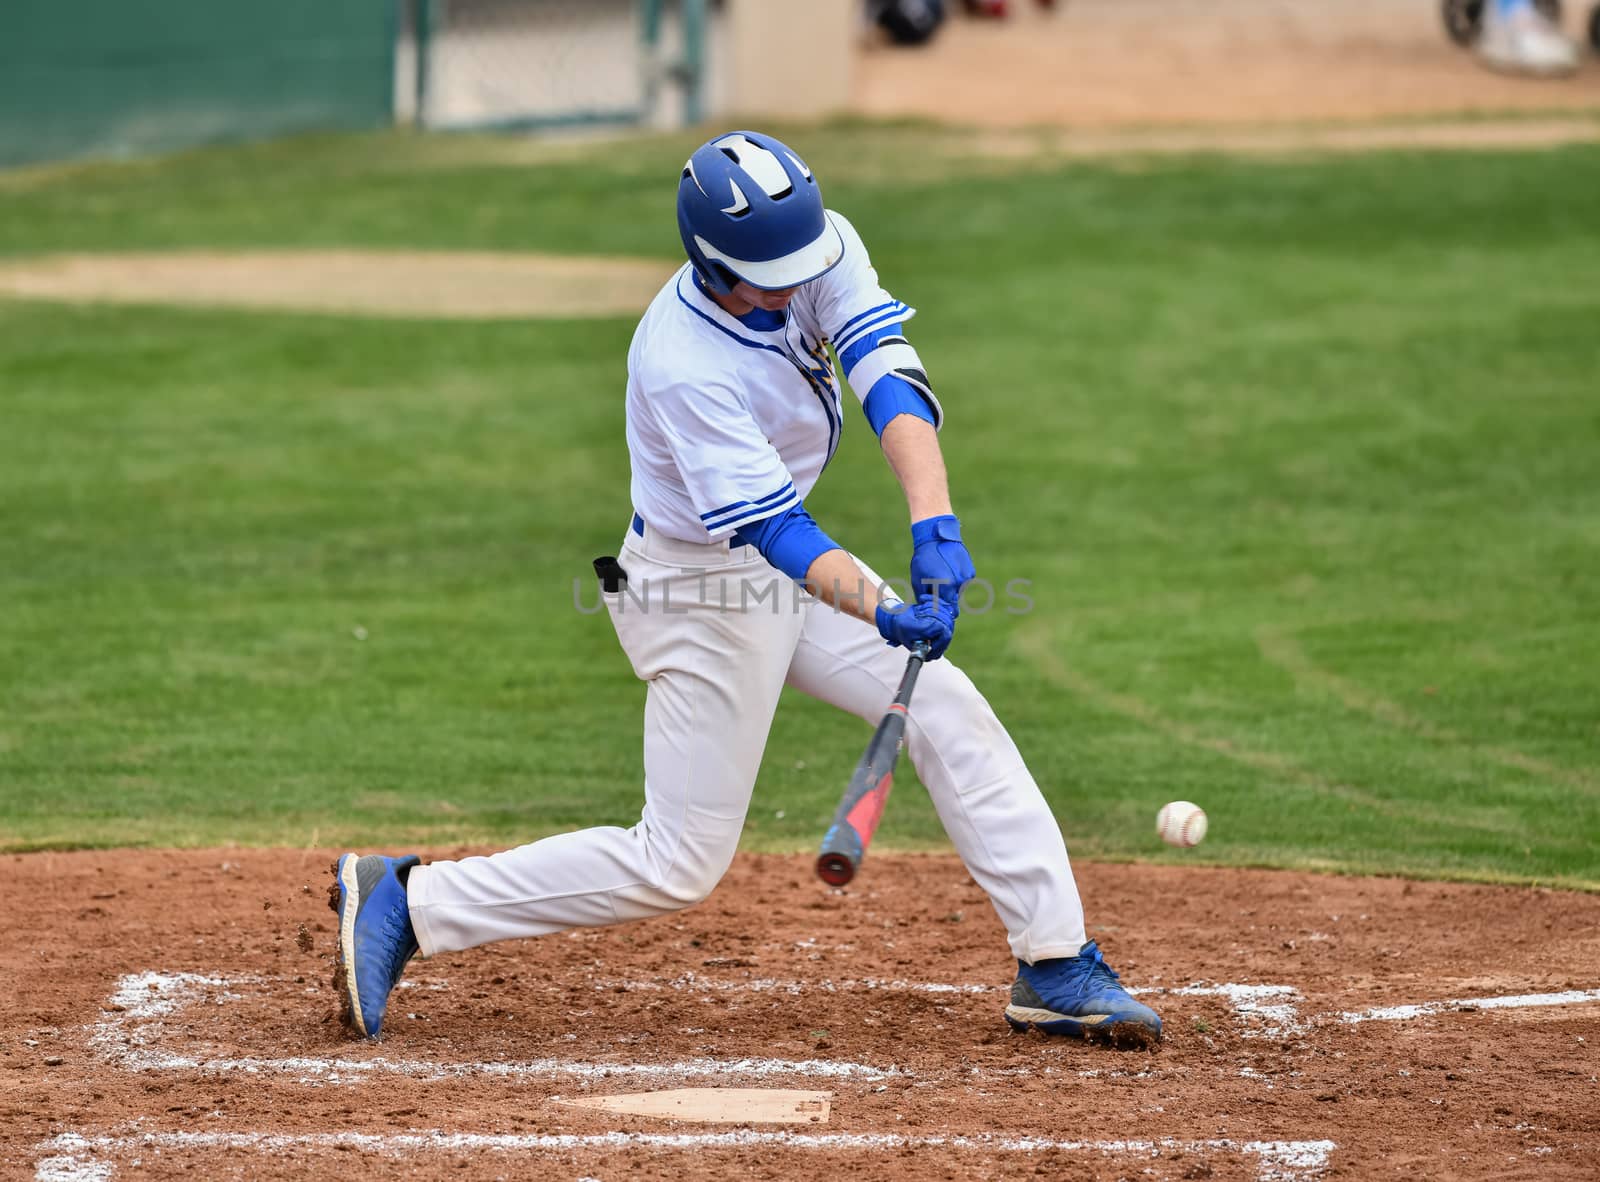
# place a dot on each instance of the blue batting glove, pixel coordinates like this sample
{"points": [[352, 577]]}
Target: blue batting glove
{"points": [[940, 564], [928, 621]]}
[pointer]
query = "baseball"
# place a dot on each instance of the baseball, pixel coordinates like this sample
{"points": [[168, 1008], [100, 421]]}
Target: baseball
{"points": [[1181, 823]]}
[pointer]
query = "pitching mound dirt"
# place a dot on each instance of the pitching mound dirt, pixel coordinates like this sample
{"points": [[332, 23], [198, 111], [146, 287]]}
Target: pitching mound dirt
{"points": [[431, 284], [168, 1013]]}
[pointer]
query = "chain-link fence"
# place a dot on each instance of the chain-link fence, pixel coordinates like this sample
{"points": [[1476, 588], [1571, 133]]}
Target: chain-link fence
{"points": [[529, 63]]}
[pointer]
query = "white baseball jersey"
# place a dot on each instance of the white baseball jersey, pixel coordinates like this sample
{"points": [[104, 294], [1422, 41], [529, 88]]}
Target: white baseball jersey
{"points": [[732, 419]]}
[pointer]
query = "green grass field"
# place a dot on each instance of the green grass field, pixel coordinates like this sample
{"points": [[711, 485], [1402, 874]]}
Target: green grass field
{"points": [[1302, 459]]}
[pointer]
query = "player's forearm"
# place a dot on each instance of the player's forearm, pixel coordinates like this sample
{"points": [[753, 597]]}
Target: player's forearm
{"points": [[911, 445], [838, 581]]}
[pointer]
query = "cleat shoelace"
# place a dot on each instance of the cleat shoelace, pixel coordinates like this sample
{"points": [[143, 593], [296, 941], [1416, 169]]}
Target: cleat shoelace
{"points": [[1099, 972], [1086, 975], [400, 942]]}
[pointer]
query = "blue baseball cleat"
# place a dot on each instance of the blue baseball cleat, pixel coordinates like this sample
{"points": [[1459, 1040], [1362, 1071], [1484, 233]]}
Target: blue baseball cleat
{"points": [[1080, 995], [375, 935]]}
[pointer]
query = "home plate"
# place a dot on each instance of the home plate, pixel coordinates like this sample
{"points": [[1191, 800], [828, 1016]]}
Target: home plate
{"points": [[769, 1106]]}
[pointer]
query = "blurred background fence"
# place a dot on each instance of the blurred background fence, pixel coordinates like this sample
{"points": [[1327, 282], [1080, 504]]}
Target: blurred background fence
{"points": [[541, 63], [114, 77], [119, 77]]}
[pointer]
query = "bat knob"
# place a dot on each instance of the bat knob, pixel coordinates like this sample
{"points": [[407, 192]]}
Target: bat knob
{"points": [[835, 869]]}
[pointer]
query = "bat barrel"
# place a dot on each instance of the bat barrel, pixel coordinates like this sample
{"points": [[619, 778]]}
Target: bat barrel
{"points": [[856, 819]]}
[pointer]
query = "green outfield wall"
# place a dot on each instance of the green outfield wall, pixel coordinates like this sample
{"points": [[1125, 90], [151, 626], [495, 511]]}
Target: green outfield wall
{"points": [[83, 78]]}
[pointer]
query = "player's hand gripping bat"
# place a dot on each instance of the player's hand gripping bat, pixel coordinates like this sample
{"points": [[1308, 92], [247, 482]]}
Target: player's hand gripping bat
{"points": [[856, 820]]}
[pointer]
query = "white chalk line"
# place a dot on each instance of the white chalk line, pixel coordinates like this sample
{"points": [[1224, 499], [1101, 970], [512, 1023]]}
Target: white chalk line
{"points": [[310, 1070], [1270, 1011], [1518, 1001], [68, 1168], [73, 1156], [142, 1001], [692, 983]]}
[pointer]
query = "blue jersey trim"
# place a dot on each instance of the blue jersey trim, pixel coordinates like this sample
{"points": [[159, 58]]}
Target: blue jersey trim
{"points": [[737, 505], [862, 345], [844, 329], [893, 316], [821, 383], [754, 513], [728, 331]]}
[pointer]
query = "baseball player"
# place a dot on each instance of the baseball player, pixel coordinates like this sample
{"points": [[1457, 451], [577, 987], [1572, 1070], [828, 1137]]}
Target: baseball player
{"points": [[733, 412]]}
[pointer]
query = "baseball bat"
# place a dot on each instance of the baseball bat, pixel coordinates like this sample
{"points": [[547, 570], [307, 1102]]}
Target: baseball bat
{"points": [[856, 819]]}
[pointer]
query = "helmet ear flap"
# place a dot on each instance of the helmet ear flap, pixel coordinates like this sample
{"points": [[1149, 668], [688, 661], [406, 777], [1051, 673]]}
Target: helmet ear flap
{"points": [[713, 275], [728, 279]]}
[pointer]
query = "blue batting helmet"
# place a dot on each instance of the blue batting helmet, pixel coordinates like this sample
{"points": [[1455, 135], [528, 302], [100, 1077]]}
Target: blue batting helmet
{"points": [[749, 208]]}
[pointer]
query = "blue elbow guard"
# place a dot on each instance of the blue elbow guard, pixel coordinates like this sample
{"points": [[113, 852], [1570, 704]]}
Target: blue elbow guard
{"points": [[790, 540]]}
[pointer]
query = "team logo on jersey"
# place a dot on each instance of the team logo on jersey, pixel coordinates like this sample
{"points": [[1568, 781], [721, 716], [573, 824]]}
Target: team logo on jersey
{"points": [[820, 372]]}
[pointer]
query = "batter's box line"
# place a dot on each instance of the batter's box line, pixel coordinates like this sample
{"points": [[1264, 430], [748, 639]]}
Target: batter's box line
{"points": [[73, 1157], [1518, 1001], [130, 1036], [693, 983], [1267, 1011], [142, 1002]]}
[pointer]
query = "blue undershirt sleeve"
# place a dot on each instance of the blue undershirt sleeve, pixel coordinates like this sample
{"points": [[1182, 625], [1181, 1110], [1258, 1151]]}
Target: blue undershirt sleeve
{"points": [[891, 397], [790, 540]]}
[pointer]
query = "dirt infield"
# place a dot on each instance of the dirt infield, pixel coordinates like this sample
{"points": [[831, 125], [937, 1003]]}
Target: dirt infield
{"points": [[168, 1013], [1101, 64]]}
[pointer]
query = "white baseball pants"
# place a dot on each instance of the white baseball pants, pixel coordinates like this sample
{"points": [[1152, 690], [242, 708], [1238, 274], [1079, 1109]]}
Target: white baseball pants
{"points": [[716, 632]]}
